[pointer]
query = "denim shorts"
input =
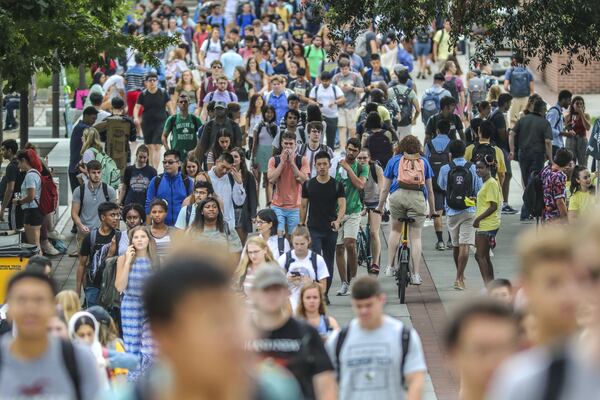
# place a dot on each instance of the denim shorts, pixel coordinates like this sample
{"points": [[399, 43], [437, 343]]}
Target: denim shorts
{"points": [[286, 217], [422, 49], [488, 233]]}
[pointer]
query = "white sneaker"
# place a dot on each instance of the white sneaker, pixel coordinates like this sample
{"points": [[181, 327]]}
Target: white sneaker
{"points": [[54, 235], [390, 270], [344, 290], [48, 249], [415, 279]]}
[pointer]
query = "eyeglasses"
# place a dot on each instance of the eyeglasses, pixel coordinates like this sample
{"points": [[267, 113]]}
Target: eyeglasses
{"points": [[259, 222], [170, 162], [152, 80], [362, 158]]}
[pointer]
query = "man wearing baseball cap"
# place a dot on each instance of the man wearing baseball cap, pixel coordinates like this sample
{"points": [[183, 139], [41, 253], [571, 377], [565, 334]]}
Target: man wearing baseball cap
{"points": [[212, 127]]}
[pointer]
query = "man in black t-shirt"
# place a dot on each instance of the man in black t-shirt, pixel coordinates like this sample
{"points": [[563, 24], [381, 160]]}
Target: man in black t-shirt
{"points": [[321, 197], [96, 247], [11, 183], [286, 341], [447, 107]]}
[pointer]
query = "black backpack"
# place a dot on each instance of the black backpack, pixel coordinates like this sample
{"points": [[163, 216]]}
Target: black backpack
{"points": [[450, 85], [297, 160], [460, 185], [380, 147], [533, 195], [110, 298], [313, 260], [437, 160], [405, 106], [481, 150]]}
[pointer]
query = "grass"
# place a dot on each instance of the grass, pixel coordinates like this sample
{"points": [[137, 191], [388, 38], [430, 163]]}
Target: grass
{"points": [[45, 80]]}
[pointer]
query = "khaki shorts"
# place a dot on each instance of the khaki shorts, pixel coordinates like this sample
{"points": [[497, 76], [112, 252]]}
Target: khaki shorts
{"points": [[408, 204], [461, 229], [404, 131], [517, 105], [347, 118], [349, 228]]}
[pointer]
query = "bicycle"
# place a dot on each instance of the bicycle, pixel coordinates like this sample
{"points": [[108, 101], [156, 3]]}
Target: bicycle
{"points": [[363, 246], [403, 260]]}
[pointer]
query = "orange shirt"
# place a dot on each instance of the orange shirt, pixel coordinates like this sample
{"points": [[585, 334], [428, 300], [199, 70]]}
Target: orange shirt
{"points": [[288, 191]]}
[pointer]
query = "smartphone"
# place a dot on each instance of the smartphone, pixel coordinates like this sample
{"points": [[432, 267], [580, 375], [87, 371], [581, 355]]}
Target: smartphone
{"points": [[295, 274]]}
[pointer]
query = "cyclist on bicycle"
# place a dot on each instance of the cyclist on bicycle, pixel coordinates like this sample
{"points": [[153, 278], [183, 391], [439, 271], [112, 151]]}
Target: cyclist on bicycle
{"points": [[371, 200], [408, 182]]}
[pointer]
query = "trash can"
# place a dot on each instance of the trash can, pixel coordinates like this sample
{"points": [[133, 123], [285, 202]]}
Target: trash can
{"points": [[12, 260]]}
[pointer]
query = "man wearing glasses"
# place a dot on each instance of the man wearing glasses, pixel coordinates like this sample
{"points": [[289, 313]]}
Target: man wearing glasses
{"points": [[182, 128], [170, 186], [209, 84]]}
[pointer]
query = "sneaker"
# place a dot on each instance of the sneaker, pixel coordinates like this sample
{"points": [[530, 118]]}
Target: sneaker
{"points": [[327, 301], [527, 220], [449, 245], [373, 269], [48, 249], [344, 290], [506, 209], [440, 246], [390, 270], [415, 279], [54, 235]]}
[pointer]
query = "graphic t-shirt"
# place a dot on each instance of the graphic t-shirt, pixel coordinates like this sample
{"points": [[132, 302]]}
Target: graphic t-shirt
{"points": [[490, 192], [297, 347], [183, 132], [136, 181], [370, 361], [353, 202]]}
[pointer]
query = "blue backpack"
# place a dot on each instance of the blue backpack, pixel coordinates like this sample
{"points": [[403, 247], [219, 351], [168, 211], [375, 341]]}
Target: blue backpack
{"points": [[430, 105], [519, 82]]}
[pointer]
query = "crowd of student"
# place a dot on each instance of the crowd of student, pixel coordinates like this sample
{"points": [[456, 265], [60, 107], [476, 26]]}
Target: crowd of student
{"points": [[329, 140]]}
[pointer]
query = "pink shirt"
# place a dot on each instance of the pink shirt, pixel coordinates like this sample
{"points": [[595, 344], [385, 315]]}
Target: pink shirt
{"points": [[288, 190]]}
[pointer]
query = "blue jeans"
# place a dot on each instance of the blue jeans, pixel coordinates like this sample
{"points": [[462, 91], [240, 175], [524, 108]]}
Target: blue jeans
{"points": [[92, 296], [324, 243], [286, 218]]}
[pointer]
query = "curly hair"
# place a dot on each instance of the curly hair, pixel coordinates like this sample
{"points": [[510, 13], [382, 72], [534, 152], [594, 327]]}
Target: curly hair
{"points": [[410, 145]]}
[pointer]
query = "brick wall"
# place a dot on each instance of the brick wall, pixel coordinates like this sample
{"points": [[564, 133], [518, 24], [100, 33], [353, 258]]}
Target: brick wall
{"points": [[581, 80]]}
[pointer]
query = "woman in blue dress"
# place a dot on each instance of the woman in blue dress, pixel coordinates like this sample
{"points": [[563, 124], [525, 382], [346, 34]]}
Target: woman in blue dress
{"points": [[133, 268]]}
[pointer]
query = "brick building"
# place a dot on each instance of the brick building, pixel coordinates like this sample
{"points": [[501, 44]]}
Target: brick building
{"points": [[581, 80]]}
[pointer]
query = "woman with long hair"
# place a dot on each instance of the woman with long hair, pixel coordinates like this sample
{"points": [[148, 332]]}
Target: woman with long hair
{"points": [[133, 269], [92, 145], [136, 178], [133, 215], [582, 192], [492, 96], [160, 232], [255, 75], [243, 88], [279, 62], [245, 213], [209, 225], [256, 254], [190, 169], [312, 309], [452, 74], [69, 303], [98, 80], [223, 144], [31, 191], [579, 122], [186, 86], [254, 116], [297, 55], [262, 150], [174, 69]]}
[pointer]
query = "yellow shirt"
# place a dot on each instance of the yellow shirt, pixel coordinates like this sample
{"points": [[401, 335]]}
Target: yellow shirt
{"points": [[442, 42], [499, 157], [580, 201], [490, 192], [383, 112]]}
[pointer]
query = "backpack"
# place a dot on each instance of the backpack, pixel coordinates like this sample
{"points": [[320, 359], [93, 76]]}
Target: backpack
{"points": [[480, 150], [450, 85], [460, 185], [361, 45], [188, 214], [212, 94], [333, 87], [298, 161], [533, 195], [313, 13], [302, 150], [70, 363], [82, 192], [111, 174], [380, 147], [373, 170], [405, 105], [313, 260], [423, 35], [117, 134], [437, 160], [519, 82], [110, 298], [159, 178], [477, 90], [48, 202], [281, 245], [404, 341], [411, 172], [430, 105]]}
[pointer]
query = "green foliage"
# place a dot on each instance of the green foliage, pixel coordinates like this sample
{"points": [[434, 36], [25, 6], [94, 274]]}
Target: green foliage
{"points": [[535, 28], [44, 80], [45, 34]]}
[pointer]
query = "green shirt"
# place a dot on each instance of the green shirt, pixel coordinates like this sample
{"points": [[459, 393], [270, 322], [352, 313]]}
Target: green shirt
{"points": [[314, 57], [183, 132], [353, 198]]}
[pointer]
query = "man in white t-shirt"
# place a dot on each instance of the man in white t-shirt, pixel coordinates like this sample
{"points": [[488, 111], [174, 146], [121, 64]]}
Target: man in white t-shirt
{"points": [[302, 266], [328, 97], [375, 355]]}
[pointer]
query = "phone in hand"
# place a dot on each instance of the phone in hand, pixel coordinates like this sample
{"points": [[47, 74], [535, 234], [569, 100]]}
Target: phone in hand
{"points": [[295, 274]]}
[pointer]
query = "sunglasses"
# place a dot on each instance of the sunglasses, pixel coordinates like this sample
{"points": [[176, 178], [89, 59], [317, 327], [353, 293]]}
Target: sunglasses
{"points": [[170, 162]]}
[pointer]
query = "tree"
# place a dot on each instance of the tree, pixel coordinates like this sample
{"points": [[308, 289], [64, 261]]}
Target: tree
{"points": [[534, 28], [47, 34]]}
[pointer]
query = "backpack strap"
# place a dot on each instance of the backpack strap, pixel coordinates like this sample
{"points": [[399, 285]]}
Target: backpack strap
{"points": [[105, 191], [93, 234], [186, 184], [338, 348], [302, 150], [298, 161], [81, 194], [188, 214], [288, 260], [405, 341], [157, 184], [277, 161], [328, 327], [281, 245], [313, 261]]}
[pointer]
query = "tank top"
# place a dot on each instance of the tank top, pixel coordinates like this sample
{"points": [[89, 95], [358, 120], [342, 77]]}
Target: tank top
{"points": [[162, 244], [371, 187], [323, 326], [578, 126]]}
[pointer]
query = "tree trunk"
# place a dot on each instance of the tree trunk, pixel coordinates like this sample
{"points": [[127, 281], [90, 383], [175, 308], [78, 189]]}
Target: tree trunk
{"points": [[1, 113], [24, 117], [82, 83], [55, 104], [30, 98]]}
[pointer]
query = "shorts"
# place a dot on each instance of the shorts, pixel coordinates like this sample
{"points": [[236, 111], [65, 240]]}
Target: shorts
{"points": [[404, 131], [517, 105], [237, 211], [460, 227], [152, 131], [349, 228], [371, 205], [347, 118], [286, 218], [506, 161], [408, 204], [32, 216], [422, 49], [439, 198], [489, 234]]}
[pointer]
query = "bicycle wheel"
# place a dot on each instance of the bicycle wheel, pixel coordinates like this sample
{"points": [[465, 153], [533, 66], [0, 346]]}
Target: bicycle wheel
{"points": [[361, 248], [369, 256], [402, 272]]}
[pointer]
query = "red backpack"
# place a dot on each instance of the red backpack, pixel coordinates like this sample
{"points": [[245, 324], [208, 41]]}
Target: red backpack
{"points": [[49, 195]]}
